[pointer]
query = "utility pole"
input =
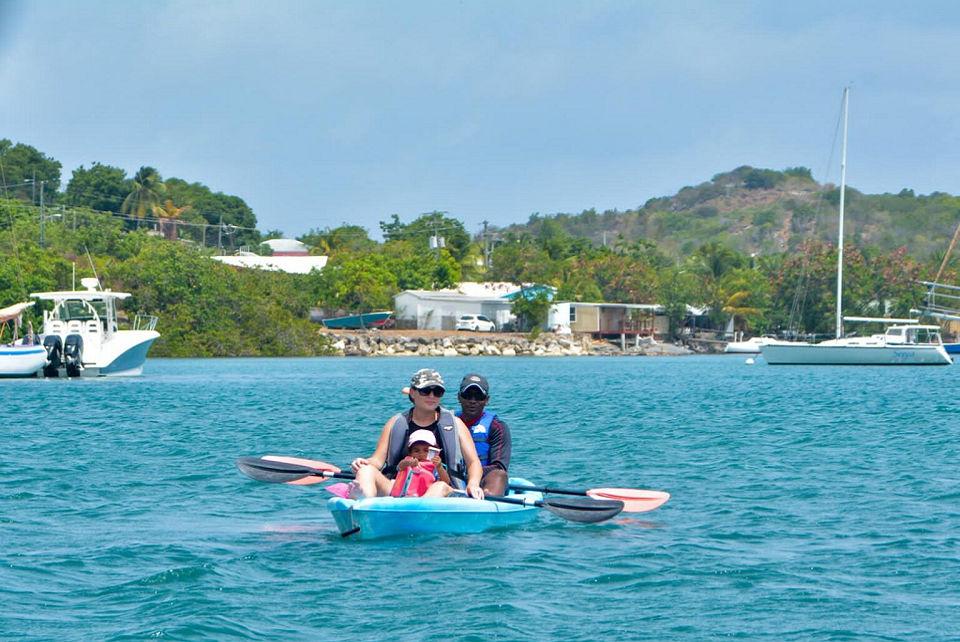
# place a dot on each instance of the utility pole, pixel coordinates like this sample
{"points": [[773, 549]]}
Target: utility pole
{"points": [[43, 214], [486, 247], [220, 236], [437, 241]]}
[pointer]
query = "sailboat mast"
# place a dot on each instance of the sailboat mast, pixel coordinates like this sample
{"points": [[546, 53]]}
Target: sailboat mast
{"points": [[843, 186]]}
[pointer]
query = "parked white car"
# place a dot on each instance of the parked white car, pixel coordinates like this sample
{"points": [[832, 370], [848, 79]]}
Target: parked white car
{"points": [[476, 323]]}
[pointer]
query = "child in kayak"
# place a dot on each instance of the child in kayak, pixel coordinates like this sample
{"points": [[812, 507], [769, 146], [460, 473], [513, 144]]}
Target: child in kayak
{"points": [[419, 474]]}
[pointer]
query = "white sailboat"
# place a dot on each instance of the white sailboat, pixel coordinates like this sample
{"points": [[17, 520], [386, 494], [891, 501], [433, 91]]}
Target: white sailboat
{"points": [[905, 344], [20, 357]]}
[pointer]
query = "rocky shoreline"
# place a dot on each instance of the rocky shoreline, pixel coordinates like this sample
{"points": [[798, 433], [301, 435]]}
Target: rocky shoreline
{"points": [[374, 343]]}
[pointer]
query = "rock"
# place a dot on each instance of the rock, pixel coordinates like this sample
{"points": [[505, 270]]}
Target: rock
{"points": [[450, 352], [508, 352]]}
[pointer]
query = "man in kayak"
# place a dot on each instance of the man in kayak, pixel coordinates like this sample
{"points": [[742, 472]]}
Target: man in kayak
{"points": [[458, 453], [491, 435]]}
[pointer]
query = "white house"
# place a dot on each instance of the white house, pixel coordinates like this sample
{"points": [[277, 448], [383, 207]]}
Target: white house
{"points": [[289, 255], [290, 264], [440, 309], [612, 319]]}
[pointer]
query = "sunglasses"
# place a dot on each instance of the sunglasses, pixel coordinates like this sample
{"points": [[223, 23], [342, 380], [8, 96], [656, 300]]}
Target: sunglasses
{"points": [[473, 395], [436, 391]]}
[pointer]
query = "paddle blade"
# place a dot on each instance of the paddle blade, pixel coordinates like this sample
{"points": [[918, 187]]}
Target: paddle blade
{"points": [[308, 463], [634, 500], [583, 509], [275, 472], [299, 461]]}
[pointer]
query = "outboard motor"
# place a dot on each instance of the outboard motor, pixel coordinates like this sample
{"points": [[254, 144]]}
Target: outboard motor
{"points": [[73, 355], [54, 350]]}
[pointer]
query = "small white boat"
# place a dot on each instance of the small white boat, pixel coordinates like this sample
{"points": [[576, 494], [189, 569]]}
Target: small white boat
{"points": [[750, 346], [19, 357], [82, 338]]}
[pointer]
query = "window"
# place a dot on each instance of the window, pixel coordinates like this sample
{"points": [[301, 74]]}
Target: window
{"points": [[573, 314]]}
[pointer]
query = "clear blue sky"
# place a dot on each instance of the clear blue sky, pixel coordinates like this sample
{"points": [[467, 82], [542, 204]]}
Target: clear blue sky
{"points": [[319, 113]]}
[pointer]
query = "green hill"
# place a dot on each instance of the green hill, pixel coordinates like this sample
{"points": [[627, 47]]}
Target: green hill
{"points": [[766, 211]]}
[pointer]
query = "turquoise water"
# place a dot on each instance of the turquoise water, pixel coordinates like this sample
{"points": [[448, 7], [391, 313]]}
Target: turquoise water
{"points": [[808, 504]]}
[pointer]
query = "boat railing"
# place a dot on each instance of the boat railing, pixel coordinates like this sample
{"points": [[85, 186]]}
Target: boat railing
{"points": [[144, 322]]}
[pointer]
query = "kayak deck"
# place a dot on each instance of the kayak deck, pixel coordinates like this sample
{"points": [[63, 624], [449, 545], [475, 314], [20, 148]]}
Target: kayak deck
{"points": [[377, 517]]}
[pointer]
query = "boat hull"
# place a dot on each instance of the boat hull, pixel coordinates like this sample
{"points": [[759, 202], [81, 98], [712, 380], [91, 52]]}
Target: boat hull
{"points": [[875, 355], [750, 346], [121, 356], [358, 321], [21, 360], [379, 517]]}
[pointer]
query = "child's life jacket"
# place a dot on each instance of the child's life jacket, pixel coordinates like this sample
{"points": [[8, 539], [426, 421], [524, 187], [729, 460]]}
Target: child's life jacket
{"points": [[414, 481]]}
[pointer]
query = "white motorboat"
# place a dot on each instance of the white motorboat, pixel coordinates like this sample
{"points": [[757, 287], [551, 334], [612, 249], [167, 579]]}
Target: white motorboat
{"points": [[750, 346], [21, 357], [900, 345], [82, 338]]}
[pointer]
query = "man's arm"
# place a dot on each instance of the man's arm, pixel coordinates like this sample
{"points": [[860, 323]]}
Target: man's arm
{"points": [[500, 444]]}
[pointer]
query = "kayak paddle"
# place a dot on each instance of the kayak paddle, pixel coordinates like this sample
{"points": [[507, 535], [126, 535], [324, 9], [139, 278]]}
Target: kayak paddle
{"points": [[278, 470], [579, 509], [635, 500]]}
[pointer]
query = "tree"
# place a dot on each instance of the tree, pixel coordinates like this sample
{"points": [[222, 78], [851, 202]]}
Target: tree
{"points": [[357, 283], [521, 261], [345, 238], [531, 308], [23, 168], [456, 238], [212, 209], [144, 198], [101, 187], [169, 213], [677, 289]]}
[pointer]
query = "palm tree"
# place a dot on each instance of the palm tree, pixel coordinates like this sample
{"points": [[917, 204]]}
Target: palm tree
{"points": [[735, 308], [168, 214], [145, 198]]}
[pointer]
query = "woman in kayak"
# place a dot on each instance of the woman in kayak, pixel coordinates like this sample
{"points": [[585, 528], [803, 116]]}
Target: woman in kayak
{"points": [[422, 473], [458, 453]]}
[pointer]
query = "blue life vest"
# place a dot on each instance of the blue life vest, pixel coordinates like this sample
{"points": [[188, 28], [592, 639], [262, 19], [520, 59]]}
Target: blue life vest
{"points": [[480, 432]]}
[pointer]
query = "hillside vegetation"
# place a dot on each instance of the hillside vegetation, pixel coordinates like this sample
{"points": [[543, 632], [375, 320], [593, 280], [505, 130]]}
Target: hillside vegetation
{"points": [[759, 211]]}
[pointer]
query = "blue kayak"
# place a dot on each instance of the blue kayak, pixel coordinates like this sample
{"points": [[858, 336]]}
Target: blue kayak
{"points": [[377, 517]]}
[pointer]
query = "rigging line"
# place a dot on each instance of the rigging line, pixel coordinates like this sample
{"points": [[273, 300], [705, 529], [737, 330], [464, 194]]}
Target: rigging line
{"points": [[946, 257], [800, 296]]}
